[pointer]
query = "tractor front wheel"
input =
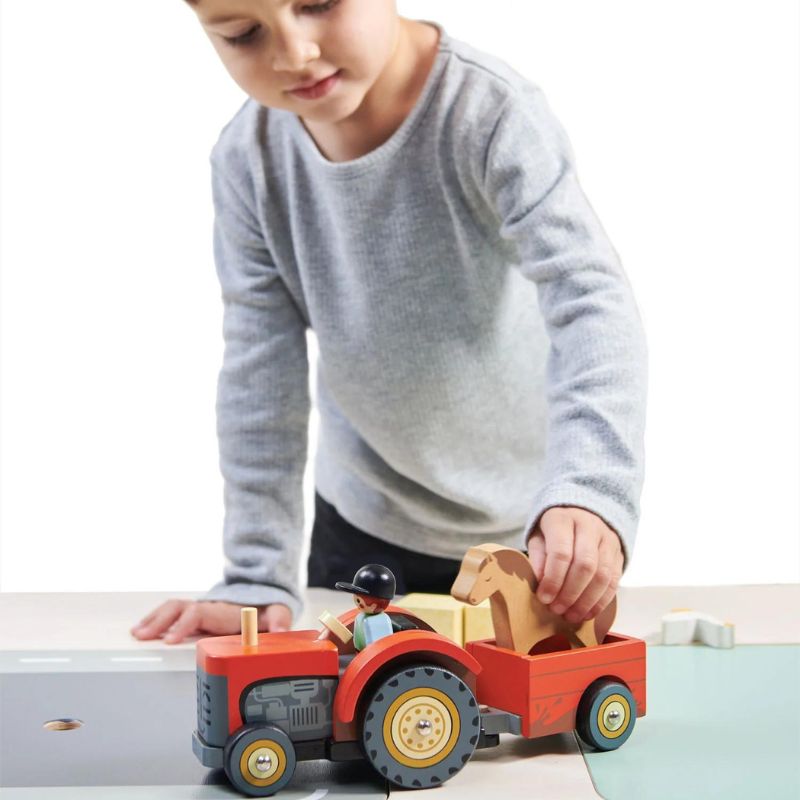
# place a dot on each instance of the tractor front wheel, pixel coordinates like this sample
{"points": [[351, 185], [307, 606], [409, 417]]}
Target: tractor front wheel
{"points": [[420, 726], [259, 760]]}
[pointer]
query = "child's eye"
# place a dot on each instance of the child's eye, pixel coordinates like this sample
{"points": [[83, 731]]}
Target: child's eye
{"points": [[248, 36], [242, 38], [319, 8]]}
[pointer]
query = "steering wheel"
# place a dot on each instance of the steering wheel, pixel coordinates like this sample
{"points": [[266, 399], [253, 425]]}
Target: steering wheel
{"points": [[335, 627]]}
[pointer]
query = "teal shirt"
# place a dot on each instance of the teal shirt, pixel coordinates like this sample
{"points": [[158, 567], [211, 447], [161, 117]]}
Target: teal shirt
{"points": [[369, 628]]}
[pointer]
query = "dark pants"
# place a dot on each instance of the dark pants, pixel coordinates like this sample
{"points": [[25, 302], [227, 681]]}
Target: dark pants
{"points": [[339, 549]]}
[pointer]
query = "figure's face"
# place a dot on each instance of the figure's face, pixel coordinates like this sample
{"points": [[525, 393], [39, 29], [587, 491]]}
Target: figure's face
{"points": [[368, 604], [271, 47]]}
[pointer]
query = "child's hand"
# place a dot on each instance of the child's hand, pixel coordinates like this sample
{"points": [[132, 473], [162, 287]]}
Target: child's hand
{"points": [[577, 560], [182, 618]]}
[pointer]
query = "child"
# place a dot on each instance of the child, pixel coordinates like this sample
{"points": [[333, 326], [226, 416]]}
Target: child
{"points": [[481, 371]]}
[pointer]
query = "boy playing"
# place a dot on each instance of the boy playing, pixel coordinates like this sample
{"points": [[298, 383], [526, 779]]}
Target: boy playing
{"points": [[481, 372]]}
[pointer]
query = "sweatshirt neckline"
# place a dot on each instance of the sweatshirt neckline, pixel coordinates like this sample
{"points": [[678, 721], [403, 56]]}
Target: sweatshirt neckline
{"points": [[384, 151]]}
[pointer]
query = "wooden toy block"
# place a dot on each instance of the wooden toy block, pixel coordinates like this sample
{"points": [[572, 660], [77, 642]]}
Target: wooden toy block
{"points": [[686, 626], [478, 621], [450, 617], [442, 612]]}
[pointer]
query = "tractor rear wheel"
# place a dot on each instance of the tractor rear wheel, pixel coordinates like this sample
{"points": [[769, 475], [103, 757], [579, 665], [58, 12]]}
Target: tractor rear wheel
{"points": [[420, 726], [259, 760]]}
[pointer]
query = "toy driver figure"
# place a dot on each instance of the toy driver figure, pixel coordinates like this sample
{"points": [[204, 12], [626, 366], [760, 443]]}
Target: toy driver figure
{"points": [[373, 586]]}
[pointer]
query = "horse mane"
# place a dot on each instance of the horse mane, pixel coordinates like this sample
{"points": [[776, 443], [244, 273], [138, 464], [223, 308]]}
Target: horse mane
{"points": [[516, 563]]}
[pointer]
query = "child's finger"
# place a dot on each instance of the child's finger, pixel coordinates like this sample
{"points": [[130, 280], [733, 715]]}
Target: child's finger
{"points": [[536, 555], [278, 617], [185, 625], [607, 597], [579, 610], [558, 530], [598, 586], [163, 617], [582, 569], [145, 620], [219, 618]]}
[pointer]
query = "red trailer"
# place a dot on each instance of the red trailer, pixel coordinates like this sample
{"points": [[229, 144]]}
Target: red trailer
{"points": [[415, 704]]}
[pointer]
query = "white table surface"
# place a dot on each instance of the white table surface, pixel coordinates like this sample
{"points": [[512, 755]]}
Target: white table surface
{"points": [[766, 614]]}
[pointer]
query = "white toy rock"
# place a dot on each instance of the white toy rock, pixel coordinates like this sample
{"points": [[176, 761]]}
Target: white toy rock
{"points": [[686, 626]]}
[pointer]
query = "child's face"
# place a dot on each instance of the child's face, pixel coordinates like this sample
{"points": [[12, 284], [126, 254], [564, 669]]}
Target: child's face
{"points": [[283, 44]]}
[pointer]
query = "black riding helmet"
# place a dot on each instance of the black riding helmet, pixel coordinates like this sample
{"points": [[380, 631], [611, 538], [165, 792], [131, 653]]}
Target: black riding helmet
{"points": [[374, 580]]}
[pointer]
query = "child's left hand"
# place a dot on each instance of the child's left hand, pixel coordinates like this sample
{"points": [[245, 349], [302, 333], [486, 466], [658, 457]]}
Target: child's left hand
{"points": [[577, 560]]}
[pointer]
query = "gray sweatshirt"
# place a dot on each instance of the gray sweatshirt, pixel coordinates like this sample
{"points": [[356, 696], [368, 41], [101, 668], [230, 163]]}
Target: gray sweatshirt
{"points": [[481, 357]]}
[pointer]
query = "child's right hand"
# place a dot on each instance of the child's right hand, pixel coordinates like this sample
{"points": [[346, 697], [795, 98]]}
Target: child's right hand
{"points": [[182, 618]]}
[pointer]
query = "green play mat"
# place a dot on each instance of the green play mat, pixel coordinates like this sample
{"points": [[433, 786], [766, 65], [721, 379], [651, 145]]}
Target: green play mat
{"points": [[719, 724]]}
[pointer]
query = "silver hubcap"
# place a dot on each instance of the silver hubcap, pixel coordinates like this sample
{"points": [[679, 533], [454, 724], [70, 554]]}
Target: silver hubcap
{"points": [[263, 763], [614, 716]]}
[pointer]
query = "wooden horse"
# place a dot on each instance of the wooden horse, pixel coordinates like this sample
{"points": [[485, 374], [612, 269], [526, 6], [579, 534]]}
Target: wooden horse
{"points": [[520, 620]]}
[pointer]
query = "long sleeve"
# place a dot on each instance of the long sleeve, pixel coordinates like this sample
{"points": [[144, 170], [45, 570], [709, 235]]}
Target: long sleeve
{"points": [[597, 364], [262, 408]]}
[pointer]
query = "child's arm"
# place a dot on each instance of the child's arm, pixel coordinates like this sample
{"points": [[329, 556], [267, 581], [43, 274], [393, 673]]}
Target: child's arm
{"points": [[585, 513], [262, 423], [262, 402]]}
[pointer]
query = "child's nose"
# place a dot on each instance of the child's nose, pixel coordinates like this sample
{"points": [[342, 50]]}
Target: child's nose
{"points": [[293, 51]]}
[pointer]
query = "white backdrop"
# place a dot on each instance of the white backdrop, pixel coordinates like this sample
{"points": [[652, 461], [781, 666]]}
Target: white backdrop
{"points": [[684, 120]]}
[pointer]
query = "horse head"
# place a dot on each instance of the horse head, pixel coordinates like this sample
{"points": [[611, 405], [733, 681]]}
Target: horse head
{"points": [[478, 577]]}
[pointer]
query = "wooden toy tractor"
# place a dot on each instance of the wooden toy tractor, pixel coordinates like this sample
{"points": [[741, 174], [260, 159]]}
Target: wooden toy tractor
{"points": [[415, 704]]}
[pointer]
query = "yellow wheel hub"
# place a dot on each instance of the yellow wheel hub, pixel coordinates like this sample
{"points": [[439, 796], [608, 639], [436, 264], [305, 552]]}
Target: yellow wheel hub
{"points": [[421, 727], [614, 716], [263, 762]]}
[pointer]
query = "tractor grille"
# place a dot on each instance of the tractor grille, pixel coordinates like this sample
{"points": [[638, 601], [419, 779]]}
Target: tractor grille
{"points": [[302, 707], [203, 706], [305, 716], [212, 708]]}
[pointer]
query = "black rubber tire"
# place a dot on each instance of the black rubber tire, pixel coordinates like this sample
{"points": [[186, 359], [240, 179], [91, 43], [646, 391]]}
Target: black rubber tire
{"points": [[254, 737], [604, 695], [427, 695]]}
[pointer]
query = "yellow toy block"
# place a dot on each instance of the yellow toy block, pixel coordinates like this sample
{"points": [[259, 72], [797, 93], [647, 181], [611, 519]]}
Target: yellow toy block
{"points": [[450, 617], [478, 622], [443, 613]]}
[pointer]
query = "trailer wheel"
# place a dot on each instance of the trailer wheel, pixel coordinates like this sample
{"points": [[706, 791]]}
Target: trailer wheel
{"points": [[259, 760], [606, 714], [420, 726]]}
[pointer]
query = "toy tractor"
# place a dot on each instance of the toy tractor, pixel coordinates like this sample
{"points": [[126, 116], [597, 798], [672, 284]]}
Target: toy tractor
{"points": [[414, 704]]}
